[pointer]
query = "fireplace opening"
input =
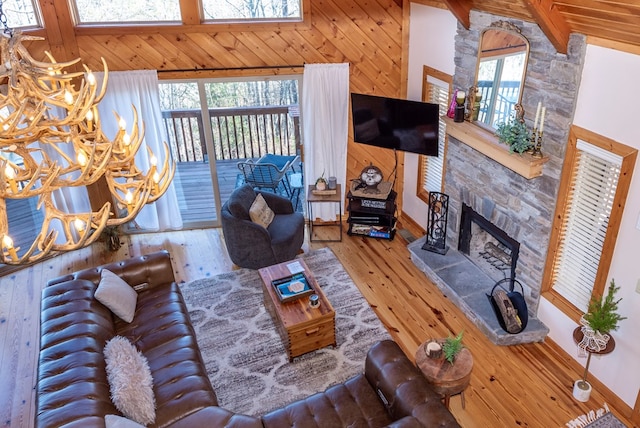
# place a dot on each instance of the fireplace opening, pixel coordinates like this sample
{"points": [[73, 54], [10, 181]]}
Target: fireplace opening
{"points": [[487, 246]]}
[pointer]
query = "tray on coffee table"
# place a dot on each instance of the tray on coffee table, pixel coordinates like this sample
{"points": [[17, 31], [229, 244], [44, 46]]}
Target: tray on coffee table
{"points": [[292, 287]]}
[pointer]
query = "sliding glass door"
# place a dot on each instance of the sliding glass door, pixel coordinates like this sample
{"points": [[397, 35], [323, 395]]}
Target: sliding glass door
{"points": [[214, 124]]}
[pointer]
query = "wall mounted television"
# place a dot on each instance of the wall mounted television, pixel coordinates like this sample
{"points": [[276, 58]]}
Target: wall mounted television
{"points": [[391, 123]]}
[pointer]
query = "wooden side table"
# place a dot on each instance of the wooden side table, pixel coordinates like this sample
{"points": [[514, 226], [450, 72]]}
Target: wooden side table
{"points": [[313, 198], [447, 379], [577, 337]]}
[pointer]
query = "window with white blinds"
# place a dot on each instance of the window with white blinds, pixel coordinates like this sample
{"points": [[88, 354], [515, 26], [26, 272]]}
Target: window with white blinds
{"points": [[591, 196], [435, 90]]}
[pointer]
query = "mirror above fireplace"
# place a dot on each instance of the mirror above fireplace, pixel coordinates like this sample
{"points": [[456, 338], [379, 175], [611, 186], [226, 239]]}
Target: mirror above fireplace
{"points": [[502, 63]]}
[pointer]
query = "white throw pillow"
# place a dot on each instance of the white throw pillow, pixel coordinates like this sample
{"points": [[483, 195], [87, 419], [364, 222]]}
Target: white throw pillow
{"points": [[130, 381], [115, 421], [260, 212], [117, 295]]}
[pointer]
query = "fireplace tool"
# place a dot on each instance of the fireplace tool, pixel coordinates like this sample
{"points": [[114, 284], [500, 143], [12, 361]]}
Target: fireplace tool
{"points": [[437, 223]]}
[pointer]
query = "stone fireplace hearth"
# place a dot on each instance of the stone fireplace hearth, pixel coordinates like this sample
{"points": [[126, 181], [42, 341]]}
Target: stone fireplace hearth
{"points": [[466, 285]]}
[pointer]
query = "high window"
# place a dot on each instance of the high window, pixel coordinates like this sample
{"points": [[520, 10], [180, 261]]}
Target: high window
{"points": [[596, 177], [251, 10], [115, 11], [159, 11], [436, 88], [21, 13]]}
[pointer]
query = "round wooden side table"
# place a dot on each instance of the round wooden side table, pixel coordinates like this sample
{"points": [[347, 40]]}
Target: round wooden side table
{"points": [[447, 379]]}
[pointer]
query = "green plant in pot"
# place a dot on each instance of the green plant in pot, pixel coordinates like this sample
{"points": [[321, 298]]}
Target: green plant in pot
{"points": [[321, 182], [514, 134], [451, 347], [602, 316]]}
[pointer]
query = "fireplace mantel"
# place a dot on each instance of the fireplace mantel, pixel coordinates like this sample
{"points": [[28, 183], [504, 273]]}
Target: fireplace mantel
{"points": [[487, 143]]}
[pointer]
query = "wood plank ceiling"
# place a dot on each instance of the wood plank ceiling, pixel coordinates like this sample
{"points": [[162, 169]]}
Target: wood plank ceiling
{"points": [[611, 21]]}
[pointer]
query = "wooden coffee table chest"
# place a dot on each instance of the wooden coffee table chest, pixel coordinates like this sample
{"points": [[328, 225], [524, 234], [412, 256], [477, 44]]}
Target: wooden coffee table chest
{"points": [[302, 328]]}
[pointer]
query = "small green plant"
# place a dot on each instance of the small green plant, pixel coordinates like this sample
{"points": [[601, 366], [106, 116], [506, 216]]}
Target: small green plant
{"points": [[514, 134], [321, 179], [452, 347], [602, 314]]}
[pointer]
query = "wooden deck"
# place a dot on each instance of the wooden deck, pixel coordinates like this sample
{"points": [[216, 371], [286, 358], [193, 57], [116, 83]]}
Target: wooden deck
{"points": [[195, 191]]}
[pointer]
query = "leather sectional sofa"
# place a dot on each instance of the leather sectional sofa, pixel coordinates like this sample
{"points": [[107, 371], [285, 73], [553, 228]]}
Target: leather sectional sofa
{"points": [[73, 391]]}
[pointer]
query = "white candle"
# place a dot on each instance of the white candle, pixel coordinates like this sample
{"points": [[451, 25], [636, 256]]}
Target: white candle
{"points": [[535, 122], [544, 110]]}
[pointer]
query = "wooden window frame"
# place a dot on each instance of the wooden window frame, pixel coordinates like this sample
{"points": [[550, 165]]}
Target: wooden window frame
{"points": [[427, 71], [192, 22], [628, 155]]}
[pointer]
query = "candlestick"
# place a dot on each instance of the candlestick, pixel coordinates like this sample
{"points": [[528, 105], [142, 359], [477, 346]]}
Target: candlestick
{"points": [[79, 224], [7, 242], [153, 160], [156, 180], [89, 118], [535, 122], [129, 199], [126, 140], [544, 110], [10, 173]]}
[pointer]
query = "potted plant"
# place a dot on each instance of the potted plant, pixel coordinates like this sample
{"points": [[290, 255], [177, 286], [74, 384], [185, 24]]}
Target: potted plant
{"points": [[451, 347], [514, 134], [321, 182], [602, 316]]}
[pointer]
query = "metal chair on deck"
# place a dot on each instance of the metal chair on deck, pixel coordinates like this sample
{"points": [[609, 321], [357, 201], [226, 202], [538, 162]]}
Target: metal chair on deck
{"points": [[266, 174]]}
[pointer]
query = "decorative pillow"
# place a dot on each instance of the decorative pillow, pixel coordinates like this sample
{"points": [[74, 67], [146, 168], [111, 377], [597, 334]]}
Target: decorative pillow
{"points": [[117, 295], [130, 381], [115, 421], [260, 212]]}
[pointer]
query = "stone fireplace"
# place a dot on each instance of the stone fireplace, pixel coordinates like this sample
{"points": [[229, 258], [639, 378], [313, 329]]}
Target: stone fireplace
{"points": [[487, 246], [521, 207]]}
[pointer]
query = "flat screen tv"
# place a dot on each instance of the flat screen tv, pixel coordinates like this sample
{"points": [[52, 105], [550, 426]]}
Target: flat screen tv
{"points": [[391, 123]]}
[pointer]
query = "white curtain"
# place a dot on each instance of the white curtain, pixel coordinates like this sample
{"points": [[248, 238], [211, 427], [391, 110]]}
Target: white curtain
{"points": [[325, 116], [140, 89]]}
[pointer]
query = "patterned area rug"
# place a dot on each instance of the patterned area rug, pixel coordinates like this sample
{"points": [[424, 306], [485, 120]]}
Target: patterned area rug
{"points": [[246, 359], [600, 418]]}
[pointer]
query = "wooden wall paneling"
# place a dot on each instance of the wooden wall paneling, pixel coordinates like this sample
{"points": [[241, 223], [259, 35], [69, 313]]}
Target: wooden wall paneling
{"points": [[172, 56], [236, 48], [267, 54], [384, 34], [287, 54], [205, 51]]}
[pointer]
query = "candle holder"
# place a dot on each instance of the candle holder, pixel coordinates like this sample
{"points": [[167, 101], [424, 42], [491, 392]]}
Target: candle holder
{"points": [[537, 152], [532, 142]]}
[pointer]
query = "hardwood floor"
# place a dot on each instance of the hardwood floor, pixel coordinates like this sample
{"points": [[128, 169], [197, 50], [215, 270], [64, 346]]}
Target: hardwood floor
{"points": [[516, 386]]}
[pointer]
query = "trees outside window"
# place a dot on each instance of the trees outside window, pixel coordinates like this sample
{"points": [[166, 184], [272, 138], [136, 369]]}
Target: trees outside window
{"points": [[21, 13], [251, 9]]}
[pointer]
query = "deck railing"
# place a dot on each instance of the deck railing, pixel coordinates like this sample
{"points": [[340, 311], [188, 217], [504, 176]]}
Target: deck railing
{"points": [[238, 133], [501, 102]]}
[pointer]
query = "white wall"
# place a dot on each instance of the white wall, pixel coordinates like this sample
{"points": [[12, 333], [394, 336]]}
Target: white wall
{"points": [[602, 108], [431, 42], [606, 106]]}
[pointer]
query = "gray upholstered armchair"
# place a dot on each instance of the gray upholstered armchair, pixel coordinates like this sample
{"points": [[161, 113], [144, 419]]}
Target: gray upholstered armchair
{"points": [[251, 245]]}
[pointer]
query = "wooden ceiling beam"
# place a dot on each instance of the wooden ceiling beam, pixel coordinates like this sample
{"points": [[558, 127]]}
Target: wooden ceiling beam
{"points": [[552, 23], [461, 10], [60, 31]]}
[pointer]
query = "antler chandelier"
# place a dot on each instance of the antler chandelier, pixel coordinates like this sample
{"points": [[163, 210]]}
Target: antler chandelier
{"points": [[51, 138]]}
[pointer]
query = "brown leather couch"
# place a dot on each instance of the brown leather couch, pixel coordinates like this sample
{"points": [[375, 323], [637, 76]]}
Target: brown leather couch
{"points": [[72, 388]]}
